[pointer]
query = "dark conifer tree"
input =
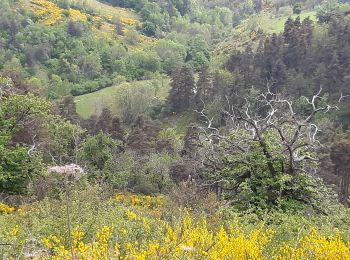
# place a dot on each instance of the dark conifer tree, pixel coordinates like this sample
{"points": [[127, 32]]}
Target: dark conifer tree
{"points": [[204, 88], [67, 109], [297, 23], [246, 66], [117, 131], [259, 55], [110, 124], [138, 140], [307, 31], [271, 55], [143, 136], [278, 75], [90, 124], [233, 63], [296, 48], [188, 167], [334, 75], [288, 32], [182, 87], [104, 122]]}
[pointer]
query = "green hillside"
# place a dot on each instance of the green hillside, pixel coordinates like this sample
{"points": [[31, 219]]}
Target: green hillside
{"points": [[175, 129], [245, 34]]}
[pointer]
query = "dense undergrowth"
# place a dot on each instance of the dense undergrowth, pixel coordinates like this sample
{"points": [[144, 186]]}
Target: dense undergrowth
{"points": [[88, 223]]}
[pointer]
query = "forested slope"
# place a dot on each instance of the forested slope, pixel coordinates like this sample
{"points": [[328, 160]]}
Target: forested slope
{"points": [[174, 129]]}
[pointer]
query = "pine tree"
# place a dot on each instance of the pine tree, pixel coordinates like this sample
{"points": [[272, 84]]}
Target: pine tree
{"points": [[297, 22], [181, 93], [90, 124], [288, 32], [307, 31], [67, 109], [279, 74], [117, 131], [143, 136], [110, 124], [272, 49], [334, 74], [104, 122], [204, 88], [296, 46]]}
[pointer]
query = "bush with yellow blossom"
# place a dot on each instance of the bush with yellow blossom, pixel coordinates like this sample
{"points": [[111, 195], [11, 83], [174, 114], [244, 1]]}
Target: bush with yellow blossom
{"points": [[48, 12], [190, 239], [6, 209], [124, 226], [139, 200]]}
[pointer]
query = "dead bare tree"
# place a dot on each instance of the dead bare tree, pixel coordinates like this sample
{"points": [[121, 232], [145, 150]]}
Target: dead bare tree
{"points": [[287, 139]]}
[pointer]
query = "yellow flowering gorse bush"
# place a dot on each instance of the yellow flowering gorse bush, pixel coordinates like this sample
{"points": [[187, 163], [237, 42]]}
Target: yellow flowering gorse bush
{"points": [[315, 246], [194, 240], [76, 15], [126, 227], [103, 24], [6, 209], [98, 249], [139, 200], [129, 21], [48, 12]]}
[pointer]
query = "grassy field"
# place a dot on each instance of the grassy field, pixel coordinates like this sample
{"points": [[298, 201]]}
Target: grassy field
{"points": [[136, 92], [93, 103]]}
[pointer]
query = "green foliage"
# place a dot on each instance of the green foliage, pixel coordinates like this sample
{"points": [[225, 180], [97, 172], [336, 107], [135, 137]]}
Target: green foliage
{"points": [[63, 139], [76, 58], [198, 54], [15, 110], [127, 99], [173, 136], [182, 89], [97, 150], [147, 175], [132, 37], [171, 54], [16, 165], [15, 168], [149, 29], [250, 183], [139, 64], [72, 57]]}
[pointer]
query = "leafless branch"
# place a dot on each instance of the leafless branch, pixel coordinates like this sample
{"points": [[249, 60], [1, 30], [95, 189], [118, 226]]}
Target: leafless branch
{"points": [[295, 132]]}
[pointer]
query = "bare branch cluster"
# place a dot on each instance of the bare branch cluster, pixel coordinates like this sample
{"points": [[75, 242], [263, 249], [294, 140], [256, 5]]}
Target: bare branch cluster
{"points": [[270, 113]]}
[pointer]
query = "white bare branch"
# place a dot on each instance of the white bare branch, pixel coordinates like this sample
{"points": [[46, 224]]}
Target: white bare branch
{"points": [[295, 132]]}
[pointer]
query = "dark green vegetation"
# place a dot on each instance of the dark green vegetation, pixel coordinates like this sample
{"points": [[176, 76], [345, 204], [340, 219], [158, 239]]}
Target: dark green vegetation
{"points": [[264, 126]]}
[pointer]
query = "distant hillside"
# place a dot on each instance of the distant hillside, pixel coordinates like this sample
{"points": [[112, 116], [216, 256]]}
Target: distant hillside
{"points": [[105, 18], [250, 29]]}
